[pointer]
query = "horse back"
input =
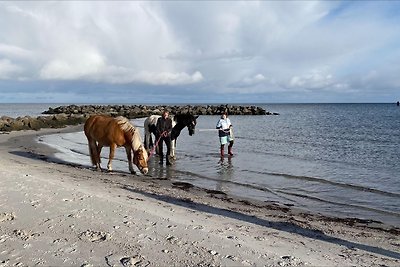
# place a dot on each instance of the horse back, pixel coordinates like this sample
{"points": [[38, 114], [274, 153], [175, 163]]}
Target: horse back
{"points": [[150, 124], [104, 129]]}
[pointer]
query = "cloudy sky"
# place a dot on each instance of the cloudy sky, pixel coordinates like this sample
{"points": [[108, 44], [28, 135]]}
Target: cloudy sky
{"points": [[199, 51]]}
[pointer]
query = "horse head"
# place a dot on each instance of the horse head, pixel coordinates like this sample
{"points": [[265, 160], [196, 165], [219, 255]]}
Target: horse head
{"points": [[140, 159]]}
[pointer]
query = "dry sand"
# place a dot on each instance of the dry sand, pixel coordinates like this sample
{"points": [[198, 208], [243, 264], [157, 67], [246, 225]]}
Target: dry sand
{"points": [[55, 214]]}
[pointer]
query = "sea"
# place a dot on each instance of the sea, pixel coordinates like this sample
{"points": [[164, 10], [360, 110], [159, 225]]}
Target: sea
{"points": [[338, 160]]}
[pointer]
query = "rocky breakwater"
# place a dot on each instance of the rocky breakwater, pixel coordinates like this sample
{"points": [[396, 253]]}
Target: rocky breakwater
{"points": [[75, 114], [8, 124], [137, 111]]}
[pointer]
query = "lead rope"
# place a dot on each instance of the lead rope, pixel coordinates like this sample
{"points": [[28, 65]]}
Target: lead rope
{"points": [[155, 146]]}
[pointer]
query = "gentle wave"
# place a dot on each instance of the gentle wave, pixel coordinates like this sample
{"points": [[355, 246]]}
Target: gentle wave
{"points": [[281, 193], [341, 204], [321, 180]]}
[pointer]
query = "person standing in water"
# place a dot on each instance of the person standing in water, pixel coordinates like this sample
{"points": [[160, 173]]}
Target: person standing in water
{"points": [[164, 127], [224, 126]]}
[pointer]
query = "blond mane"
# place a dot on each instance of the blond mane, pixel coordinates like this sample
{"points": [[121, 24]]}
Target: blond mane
{"points": [[125, 125], [128, 127]]}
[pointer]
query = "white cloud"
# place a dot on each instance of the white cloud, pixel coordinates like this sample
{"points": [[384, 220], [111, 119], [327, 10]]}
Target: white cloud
{"points": [[8, 69], [11, 51], [316, 79], [93, 68], [200, 55], [255, 79], [77, 65], [251, 81], [119, 75], [127, 41], [167, 78]]}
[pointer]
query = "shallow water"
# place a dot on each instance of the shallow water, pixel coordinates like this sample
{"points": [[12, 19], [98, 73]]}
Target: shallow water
{"points": [[336, 159]]}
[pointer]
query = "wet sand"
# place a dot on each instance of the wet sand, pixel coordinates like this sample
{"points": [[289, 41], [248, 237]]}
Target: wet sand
{"points": [[58, 214]]}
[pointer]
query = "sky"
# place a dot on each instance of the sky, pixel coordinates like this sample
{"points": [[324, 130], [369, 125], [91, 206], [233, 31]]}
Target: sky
{"points": [[199, 51]]}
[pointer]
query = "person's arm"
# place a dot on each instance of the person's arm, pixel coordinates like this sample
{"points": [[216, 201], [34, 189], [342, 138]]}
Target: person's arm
{"points": [[219, 125], [158, 126], [229, 123]]}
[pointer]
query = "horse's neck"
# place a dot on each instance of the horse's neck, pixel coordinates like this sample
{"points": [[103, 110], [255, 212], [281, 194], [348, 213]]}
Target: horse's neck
{"points": [[176, 130], [136, 142]]}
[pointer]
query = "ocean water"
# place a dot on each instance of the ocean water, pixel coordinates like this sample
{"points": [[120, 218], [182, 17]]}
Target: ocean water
{"points": [[15, 110], [334, 159]]}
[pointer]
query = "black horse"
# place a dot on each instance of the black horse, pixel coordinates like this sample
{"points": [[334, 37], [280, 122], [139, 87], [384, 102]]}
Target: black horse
{"points": [[179, 121]]}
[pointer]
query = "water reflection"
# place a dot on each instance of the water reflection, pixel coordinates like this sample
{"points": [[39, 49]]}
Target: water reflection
{"points": [[161, 171], [225, 172]]}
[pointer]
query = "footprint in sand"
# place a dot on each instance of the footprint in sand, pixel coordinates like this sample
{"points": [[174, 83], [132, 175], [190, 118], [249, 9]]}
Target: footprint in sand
{"points": [[35, 203], [118, 260], [6, 216], [4, 263], [24, 234], [94, 236], [3, 238]]}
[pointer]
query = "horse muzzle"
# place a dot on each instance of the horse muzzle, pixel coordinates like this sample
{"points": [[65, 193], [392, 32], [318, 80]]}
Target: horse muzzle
{"points": [[144, 170]]}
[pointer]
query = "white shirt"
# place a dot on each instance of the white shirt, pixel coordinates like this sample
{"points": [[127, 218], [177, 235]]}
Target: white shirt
{"points": [[224, 124]]}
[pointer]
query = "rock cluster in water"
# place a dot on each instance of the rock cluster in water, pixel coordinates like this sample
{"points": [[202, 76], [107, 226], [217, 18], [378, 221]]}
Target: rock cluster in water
{"points": [[75, 114]]}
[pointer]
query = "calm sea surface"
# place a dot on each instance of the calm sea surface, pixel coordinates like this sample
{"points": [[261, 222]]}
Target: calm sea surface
{"points": [[23, 109], [335, 159]]}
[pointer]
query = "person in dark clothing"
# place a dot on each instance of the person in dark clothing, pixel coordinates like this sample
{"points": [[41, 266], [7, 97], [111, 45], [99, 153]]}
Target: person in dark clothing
{"points": [[164, 127]]}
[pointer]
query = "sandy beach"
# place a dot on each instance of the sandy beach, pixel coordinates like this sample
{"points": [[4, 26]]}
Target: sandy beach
{"points": [[57, 214]]}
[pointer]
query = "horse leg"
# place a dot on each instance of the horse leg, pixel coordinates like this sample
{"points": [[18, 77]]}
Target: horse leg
{"points": [[157, 145], [93, 151], [98, 157], [151, 144], [146, 140], [173, 145], [129, 156], [152, 132], [111, 156]]}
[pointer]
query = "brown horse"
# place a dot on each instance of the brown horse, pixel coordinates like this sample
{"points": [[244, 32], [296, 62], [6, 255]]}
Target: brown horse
{"points": [[102, 130]]}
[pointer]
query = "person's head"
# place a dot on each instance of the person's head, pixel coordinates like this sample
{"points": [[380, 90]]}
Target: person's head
{"points": [[165, 114], [224, 115]]}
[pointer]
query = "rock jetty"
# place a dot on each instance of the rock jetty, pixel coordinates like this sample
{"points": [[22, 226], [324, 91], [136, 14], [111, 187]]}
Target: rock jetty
{"points": [[75, 114], [8, 124], [135, 111]]}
